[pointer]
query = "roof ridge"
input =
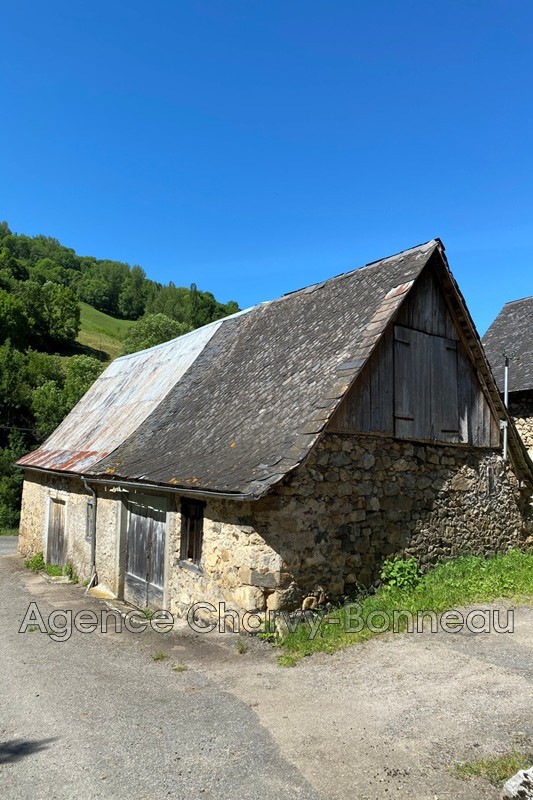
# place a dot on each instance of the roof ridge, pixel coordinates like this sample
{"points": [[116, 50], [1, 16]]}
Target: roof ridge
{"points": [[423, 247], [518, 300], [184, 335]]}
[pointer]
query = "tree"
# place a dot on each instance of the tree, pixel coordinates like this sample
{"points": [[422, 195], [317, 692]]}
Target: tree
{"points": [[15, 392], [132, 296], [11, 480], [16, 269], [4, 230], [53, 399], [13, 321], [80, 373], [151, 330], [48, 409], [52, 310]]}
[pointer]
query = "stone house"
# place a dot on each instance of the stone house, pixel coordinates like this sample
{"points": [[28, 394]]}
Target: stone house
{"points": [[511, 335], [295, 444]]}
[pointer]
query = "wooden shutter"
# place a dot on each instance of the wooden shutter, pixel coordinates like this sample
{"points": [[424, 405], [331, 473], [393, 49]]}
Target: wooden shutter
{"points": [[412, 384], [444, 395], [426, 403]]}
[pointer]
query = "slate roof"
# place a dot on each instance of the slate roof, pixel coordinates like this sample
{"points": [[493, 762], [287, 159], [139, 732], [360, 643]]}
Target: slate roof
{"points": [[512, 333], [239, 403]]}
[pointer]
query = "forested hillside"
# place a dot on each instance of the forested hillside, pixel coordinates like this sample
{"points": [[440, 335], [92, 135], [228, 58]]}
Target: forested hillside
{"points": [[62, 316]]}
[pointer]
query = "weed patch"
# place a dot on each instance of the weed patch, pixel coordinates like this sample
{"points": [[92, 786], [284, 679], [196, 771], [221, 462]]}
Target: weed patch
{"points": [[494, 769], [242, 647], [159, 656], [36, 564]]}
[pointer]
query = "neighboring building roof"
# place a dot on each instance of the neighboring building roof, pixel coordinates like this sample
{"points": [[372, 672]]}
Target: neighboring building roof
{"points": [[233, 407], [511, 333]]}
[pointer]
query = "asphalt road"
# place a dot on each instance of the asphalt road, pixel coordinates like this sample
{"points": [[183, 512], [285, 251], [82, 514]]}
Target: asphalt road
{"points": [[8, 544], [97, 717]]}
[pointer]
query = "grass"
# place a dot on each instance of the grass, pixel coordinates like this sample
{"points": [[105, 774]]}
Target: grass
{"points": [[9, 531], [457, 583], [242, 647], [102, 333], [159, 656], [180, 668], [53, 569], [37, 564], [495, 769]]}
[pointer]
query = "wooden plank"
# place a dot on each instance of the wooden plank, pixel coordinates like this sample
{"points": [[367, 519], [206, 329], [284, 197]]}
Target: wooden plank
{"points": [[145, 551], [464, 395], [56, 533], [382, 387], [412, 408], [495, 433], [444, 395], [426, 308]]}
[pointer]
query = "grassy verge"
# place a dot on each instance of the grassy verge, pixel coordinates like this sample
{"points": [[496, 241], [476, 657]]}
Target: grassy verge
{"points": [[457, 583], [9, 532], [495, 769]]}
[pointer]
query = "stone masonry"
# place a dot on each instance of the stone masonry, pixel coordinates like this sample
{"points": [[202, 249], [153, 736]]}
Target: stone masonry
{"points": [[355, 501], [521, 410]]}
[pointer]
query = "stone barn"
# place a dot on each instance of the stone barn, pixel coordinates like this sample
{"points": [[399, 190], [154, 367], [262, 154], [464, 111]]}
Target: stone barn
{"points": [[295, 444], [511, 335]]}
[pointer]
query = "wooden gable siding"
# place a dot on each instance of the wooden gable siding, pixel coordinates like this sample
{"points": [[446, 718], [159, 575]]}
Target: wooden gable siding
{"points": [[420, 383]]}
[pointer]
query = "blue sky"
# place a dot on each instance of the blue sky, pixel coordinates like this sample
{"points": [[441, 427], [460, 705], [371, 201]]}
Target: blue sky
{"points": [[254, 147]]}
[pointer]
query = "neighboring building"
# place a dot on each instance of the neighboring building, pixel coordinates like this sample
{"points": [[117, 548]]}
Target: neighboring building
{"points": [[298, 443], [511, 334]]}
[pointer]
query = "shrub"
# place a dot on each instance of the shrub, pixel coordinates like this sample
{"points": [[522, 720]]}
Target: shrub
{"points": [[400, 573], [36, 564]]}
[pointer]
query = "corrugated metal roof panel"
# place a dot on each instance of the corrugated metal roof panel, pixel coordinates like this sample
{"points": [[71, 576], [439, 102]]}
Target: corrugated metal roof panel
{"points": [[118, 402]]}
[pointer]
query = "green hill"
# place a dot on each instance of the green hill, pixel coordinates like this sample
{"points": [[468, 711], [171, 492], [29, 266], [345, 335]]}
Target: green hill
{"points": [[102, 333]]}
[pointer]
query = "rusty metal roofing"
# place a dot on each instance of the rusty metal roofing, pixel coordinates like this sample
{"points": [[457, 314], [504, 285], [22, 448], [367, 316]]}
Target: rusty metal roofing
{"points": [[235, 406], [511, 333], [118, 402]]}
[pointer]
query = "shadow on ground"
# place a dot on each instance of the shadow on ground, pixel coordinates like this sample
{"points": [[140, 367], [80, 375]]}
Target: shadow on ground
{"points": [[19, 748]]}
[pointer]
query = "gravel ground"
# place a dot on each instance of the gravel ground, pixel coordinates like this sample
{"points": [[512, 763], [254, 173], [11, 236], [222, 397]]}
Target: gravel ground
{"points": [[96, 716]]}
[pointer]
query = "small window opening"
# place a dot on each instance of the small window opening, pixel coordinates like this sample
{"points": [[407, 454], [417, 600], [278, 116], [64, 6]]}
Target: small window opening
{"points": [[192, 531]]}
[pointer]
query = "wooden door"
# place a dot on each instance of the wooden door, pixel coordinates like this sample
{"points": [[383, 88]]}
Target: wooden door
{"points": [[56, 533], [145, 552]]}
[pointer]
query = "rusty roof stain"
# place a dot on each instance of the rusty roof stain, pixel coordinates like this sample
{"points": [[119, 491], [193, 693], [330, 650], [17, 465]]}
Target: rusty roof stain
{"points": [[118, 402]]}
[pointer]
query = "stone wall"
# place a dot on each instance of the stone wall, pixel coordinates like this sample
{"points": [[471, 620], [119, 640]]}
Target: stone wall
{"points": [[38, 489], [521, 410], [356, 501]]}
